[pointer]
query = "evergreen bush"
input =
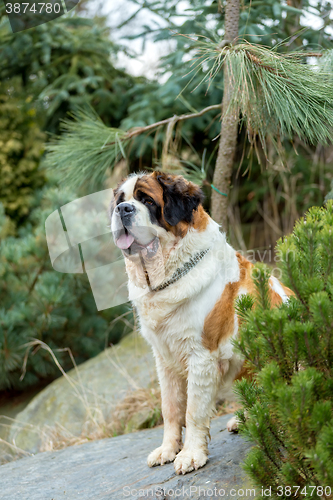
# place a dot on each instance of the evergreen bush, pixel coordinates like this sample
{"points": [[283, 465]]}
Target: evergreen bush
{"points": [[287, 407], [21, 148], [37, 302]]}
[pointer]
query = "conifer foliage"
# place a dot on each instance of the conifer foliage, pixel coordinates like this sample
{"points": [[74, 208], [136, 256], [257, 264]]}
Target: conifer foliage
{"points": [[287, 408], [45, 72], [37, 303], [21, 147]]}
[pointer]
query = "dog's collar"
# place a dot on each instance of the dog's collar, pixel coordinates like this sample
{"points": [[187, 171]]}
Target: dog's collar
{"points": [[179, 273]]}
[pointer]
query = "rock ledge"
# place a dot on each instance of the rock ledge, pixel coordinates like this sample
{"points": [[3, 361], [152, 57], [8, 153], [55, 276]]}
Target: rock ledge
{"points": [[116, 468]]}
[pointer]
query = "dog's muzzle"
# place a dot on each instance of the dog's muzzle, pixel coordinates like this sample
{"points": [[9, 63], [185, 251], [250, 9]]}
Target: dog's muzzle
{"points": [[125, 211], [129, 237]]}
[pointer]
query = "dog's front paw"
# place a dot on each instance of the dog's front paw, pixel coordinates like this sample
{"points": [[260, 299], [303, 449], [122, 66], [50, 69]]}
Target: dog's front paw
{"points": [[232, 424], [162, 455], [188, 460]]}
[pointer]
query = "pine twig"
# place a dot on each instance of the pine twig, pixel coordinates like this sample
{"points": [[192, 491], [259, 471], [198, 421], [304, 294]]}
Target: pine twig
{"points": [[141, 130], [39, 272]]}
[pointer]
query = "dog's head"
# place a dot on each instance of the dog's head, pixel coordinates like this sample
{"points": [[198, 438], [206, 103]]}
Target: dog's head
{"points": [[148, 207]]}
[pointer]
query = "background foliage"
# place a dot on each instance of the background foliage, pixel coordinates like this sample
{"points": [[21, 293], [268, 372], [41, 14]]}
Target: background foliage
{"points": [[266, 199], [75, 61], [64, 64], [192, 145], [39, 303], [21, 148], [44, 73]]}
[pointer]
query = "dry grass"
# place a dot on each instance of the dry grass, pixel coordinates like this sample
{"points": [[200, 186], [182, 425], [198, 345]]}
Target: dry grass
{"points": [[9, 451], [139, 409], [225, 407]]}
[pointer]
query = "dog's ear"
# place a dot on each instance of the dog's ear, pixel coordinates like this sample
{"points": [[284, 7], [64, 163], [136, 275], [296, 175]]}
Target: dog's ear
{"points": [[180, 198]]}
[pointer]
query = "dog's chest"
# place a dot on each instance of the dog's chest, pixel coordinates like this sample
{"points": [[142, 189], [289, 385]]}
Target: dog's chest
{"points": [[170, 335], [174, 328]]}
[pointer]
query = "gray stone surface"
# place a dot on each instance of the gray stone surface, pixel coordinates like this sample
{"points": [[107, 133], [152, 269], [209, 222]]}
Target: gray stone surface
{"points": [[116, 468], [96, 385]]}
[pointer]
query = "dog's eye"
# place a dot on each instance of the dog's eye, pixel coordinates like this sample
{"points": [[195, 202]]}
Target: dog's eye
{"points": [[148, 201]]}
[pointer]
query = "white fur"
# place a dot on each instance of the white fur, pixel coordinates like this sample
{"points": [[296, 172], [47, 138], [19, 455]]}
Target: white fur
{"points": [[277, 287], [128, 186], [232, 424]]}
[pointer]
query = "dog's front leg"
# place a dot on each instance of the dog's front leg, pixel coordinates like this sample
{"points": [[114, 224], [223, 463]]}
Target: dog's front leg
{"points": [[201, 393], [173, 392]]}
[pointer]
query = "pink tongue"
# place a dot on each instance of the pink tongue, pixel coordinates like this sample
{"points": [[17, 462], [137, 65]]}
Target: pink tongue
{"points": [[125, 241]]}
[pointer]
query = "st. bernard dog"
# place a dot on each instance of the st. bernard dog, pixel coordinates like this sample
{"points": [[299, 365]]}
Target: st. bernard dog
{"points": [[183, 278]]}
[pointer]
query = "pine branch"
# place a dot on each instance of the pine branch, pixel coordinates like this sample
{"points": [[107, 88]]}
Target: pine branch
{"points": [[88, 148], [279, 95], [38, 273], [276, 94], [141, 130]]}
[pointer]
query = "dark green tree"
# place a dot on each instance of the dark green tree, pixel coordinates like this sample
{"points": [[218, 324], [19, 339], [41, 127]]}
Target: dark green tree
{"points": [[288, 407], [66, 63], [21, 148], [46, 72]]}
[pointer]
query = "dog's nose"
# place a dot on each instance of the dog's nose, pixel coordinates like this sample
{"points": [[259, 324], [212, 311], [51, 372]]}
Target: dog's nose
{"points": [[125, 210]]}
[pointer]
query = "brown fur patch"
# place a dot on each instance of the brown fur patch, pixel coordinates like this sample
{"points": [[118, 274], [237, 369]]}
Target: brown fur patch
{"points": [[150, 185], [276, 300], [200, 219], [287, 290], [179, 229], [220, 322], [245, 273]]}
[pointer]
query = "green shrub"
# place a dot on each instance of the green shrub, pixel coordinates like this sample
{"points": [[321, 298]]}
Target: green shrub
{"points": [[290, 350], [37, 302], [21, 147]]}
